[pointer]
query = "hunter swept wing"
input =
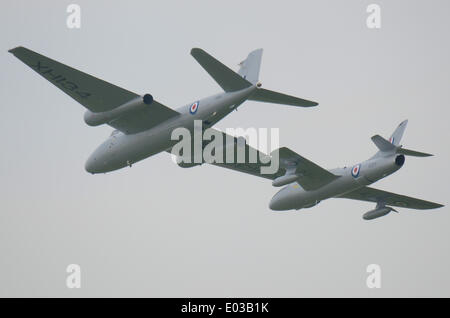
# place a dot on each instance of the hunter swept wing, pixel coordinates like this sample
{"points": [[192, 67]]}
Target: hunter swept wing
{"points": [[389, 198], [308, 174]]}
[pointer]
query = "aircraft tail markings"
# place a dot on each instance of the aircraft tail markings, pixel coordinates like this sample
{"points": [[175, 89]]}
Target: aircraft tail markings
{"points": [[396, 136], [383, 144], [93, 93], [393, 144]]}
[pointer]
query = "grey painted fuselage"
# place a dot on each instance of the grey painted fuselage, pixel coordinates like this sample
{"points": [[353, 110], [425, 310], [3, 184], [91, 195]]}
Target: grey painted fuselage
{"points": [[121, 150], [293, 196]]}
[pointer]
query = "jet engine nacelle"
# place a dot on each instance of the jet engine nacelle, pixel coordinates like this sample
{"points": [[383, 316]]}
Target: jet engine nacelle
{"points": [[377, 213], [283, 180], [96, 119]]}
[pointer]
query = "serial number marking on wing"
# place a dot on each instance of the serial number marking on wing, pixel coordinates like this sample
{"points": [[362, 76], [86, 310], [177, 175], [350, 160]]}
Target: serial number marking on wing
{"points": [[47, 72]]}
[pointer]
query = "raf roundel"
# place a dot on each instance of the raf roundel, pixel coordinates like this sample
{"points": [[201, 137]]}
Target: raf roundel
{"points": [[355, 171], [193, 108]]}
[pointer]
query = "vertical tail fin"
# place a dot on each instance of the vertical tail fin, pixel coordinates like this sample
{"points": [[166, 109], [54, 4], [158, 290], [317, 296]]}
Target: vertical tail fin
{"points": [[392, 146], [250, 66], [248, 75], [396, 136]]}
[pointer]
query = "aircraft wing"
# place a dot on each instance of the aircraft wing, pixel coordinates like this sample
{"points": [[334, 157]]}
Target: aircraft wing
{"points": [[392, 199], [93, 93], [310, 175], [249, 167], [143, 119], [236, 145]]}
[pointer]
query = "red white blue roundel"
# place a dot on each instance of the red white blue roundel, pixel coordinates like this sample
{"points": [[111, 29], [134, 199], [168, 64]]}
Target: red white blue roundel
{"points": [[193, 108], [355, 170]]}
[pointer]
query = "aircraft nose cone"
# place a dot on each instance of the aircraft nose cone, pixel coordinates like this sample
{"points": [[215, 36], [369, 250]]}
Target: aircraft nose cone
{"points": [[285, 199], [278, 202], [274, 204], [90, 164]]}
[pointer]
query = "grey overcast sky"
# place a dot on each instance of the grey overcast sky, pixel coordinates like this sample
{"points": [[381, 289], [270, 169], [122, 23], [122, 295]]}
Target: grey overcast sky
{"points": [[159, 230]]}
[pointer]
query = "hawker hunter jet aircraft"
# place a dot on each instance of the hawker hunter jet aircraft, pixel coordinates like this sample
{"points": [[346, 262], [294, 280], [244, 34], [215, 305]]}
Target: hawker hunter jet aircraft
{"points": [[143, 125], [306, 184]]}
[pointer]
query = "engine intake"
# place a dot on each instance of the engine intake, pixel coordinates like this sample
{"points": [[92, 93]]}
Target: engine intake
{"points": [[148, 99]]}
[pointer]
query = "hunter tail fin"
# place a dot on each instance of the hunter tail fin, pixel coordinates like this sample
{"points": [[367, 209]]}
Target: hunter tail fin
{"points": [[396, 136], [392, 145]]}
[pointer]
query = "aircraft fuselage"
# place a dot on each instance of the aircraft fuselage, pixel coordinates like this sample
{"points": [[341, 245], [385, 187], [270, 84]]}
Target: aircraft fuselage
{"points": [[293, 196], [121, 150]]}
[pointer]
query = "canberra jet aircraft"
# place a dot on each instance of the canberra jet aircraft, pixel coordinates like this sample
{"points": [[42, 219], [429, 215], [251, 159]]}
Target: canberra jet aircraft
{"points": [[306, 183], [143, 125]]}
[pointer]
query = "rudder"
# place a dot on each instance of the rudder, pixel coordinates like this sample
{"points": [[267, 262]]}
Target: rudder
{"points": [[397, 135], [251, 65]]}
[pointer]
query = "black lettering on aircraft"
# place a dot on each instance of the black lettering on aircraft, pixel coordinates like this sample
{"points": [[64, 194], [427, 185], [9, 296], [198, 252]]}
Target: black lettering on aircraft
{"points": [[62, 81], [70, 85], [83, 94]]}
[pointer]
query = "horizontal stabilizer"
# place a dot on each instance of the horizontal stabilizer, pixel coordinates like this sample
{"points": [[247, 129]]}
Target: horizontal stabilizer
{"points": [[268, 96], [413, 153], [383, 144], [227, 79], [386, 146]]}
